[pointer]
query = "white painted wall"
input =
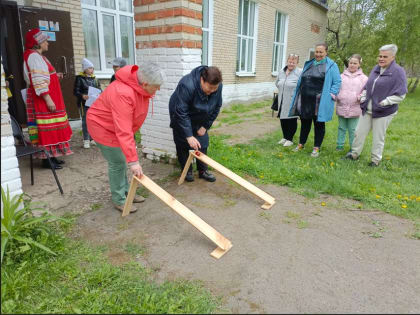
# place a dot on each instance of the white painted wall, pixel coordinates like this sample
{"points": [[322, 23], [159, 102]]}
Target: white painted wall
{"points": [[10, 174]]}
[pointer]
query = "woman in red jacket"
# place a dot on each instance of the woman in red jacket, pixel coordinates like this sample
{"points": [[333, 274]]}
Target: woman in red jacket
{"points": [[116, 116]]}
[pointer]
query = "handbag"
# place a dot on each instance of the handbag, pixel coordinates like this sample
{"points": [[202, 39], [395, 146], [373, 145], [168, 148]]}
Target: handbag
{"points": [[275, 104]]}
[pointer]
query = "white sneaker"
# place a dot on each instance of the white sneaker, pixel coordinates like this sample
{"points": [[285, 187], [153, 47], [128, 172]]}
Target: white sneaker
{"points": [[282, 141], [287, 143], [315, 152], [92, 142], [86, 144]]}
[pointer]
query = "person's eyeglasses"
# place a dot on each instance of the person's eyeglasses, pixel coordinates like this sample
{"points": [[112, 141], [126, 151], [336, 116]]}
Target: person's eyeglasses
{"points": [[380, 56]]}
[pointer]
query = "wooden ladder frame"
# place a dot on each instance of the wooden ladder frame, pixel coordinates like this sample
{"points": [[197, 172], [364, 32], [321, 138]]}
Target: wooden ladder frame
{"points": [[269, 200], [223, 244]]}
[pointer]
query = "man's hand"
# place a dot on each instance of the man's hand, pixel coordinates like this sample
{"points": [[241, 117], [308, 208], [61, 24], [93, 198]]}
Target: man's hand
{"points": [[202, 131], [136, 170], [194, 143], [60, 75], [85, 97]]}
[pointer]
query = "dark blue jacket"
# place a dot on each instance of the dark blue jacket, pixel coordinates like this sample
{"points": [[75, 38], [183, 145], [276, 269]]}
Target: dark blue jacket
{"points": [[190, 108]]}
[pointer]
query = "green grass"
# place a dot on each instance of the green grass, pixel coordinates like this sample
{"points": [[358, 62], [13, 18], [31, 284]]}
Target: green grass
{"points": [[392, 187], [242, 108], [81, 280]]}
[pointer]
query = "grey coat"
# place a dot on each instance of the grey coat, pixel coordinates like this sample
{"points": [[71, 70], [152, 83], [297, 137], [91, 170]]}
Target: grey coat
{"points": [[286, 86]]}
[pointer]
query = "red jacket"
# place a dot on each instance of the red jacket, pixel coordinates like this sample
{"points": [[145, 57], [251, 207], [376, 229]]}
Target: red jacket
{"points": [[119, 112]]}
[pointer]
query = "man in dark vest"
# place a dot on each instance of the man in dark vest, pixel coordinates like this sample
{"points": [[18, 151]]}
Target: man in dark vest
{"points": [[193, 107]]}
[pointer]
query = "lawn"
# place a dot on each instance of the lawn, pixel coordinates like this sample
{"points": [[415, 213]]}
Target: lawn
{"points": [[393, 187]]}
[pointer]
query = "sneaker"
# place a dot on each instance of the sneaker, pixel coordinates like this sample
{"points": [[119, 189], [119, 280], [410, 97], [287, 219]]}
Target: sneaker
{"points": [[339, 148], [46, 164], [92, 142], [121, 208], [298, 148], [373, 164], [86, 144], [207, 176], [138, 199], [315, 152], [190, 176], [287, 143], [350, 156], [282, 141]]}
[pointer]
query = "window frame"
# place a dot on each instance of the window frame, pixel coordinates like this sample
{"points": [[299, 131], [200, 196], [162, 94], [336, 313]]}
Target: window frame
{"points": [[311, 50], [209, 30], [240, 37], [281, 60], [105, 72]]}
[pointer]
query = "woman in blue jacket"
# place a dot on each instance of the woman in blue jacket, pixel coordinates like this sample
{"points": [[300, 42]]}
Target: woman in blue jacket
{"points": [[314, 97]]}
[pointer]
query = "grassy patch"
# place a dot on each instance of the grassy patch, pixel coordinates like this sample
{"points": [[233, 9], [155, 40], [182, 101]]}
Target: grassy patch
{"points": [[242, 108], [79, 279], [392, 187], [137, 136]]}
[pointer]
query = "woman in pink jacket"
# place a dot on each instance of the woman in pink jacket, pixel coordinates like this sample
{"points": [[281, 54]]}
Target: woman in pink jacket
{"points": [[353, 80], [116, 116]]}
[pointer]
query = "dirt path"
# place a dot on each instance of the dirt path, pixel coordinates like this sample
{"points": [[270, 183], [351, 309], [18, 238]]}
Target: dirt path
{"points": [[298, 257]]}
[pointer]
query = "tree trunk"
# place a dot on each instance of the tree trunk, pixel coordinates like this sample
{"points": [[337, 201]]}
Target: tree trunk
{"points": [[415, 85]]}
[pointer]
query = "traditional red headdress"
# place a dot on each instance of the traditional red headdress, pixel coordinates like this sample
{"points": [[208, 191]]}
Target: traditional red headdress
{"points": [[34, 37]]}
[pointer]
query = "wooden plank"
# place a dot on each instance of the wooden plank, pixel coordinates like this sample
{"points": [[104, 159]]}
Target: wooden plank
{"points": [[185, 170], [130, 197], [186, 213], [218, 252], [236, 178]]}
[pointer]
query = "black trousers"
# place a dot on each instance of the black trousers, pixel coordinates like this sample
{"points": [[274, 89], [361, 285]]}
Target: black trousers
{"points": [[305, 129], [288, 126], [182, 151]]}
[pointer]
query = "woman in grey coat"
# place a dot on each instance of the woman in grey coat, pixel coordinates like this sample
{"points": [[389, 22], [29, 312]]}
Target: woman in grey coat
{"points": [[286, 83]]}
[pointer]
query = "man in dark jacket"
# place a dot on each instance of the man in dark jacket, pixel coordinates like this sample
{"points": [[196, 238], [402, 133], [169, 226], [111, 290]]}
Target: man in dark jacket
{"points": [[193, 107], [81, 88]]}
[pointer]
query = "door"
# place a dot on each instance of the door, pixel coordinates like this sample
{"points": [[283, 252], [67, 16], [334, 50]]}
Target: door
{"points": [[57, 25]]}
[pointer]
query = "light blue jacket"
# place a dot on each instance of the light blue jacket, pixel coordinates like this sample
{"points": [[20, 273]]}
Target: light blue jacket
{"points": [[332, 84]]}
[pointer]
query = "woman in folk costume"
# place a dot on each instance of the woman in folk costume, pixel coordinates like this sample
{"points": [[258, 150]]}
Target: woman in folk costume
{"points": [[48, 125]]}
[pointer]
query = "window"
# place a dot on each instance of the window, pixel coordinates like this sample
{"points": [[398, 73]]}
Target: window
{"points": [[109, 32], [311, 53], [247, 37], [279, 45], [206, 56]]}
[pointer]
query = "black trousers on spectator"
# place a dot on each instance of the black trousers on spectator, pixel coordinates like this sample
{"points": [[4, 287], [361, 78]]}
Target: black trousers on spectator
{"points": [[288, 126], [183, 151], [305, 129]]}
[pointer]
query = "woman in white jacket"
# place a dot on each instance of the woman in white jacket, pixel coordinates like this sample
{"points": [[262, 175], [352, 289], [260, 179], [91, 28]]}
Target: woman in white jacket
{"points": [[286, 83]]}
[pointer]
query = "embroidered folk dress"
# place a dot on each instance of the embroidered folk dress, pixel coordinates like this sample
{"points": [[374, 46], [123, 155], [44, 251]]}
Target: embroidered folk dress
{"points": [[51, 130]]}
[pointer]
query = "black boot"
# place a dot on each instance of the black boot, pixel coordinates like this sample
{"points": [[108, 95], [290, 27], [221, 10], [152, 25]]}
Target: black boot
{"points": [[207, 176], [57, 161], [190, 176], [46, 164]]}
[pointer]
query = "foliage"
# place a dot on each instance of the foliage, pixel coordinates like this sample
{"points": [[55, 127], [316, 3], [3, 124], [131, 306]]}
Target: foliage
{"points": [[362, 26], [79, 279], [392, 187], [20, 230]]}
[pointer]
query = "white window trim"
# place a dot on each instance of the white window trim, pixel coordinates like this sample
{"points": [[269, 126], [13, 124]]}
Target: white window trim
{"points": [[210, 30], [286, 31], [254, 50], [309, 53], [106, 74]]}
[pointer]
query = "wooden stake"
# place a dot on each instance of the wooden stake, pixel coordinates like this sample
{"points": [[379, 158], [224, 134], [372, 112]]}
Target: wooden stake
{"points": [[130, 197], [185, 170], [269, 200], [223, 243]]}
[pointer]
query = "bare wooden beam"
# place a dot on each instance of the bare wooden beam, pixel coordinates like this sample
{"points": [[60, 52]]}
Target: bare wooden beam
{"points": [[269, 200], [223, 243], [130, 197], [185, 170]]}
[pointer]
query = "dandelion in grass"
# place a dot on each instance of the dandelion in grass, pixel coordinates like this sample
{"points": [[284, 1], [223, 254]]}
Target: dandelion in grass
{"points": [[399, 196], [261, 176], [405, 198], [412, 197], [387, 158], [404, 206], [377, 196], [323, 204], [332, 164], [418, 199]]}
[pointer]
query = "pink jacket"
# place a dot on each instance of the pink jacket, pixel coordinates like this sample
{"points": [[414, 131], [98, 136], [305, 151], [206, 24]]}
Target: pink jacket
{"points": [[119, 112], [348, 100]]}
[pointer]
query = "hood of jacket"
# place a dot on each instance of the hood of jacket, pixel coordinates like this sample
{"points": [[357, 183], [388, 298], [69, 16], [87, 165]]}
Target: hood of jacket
{"points": [[128, 75], [354, 74], [196, 76]]}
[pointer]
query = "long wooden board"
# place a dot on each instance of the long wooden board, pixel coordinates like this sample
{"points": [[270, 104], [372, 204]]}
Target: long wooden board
{"points": [[223, 243], [269, 200]]}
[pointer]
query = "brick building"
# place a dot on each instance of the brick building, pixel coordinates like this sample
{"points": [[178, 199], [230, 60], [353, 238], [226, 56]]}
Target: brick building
{"points": [[248, 40]]}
